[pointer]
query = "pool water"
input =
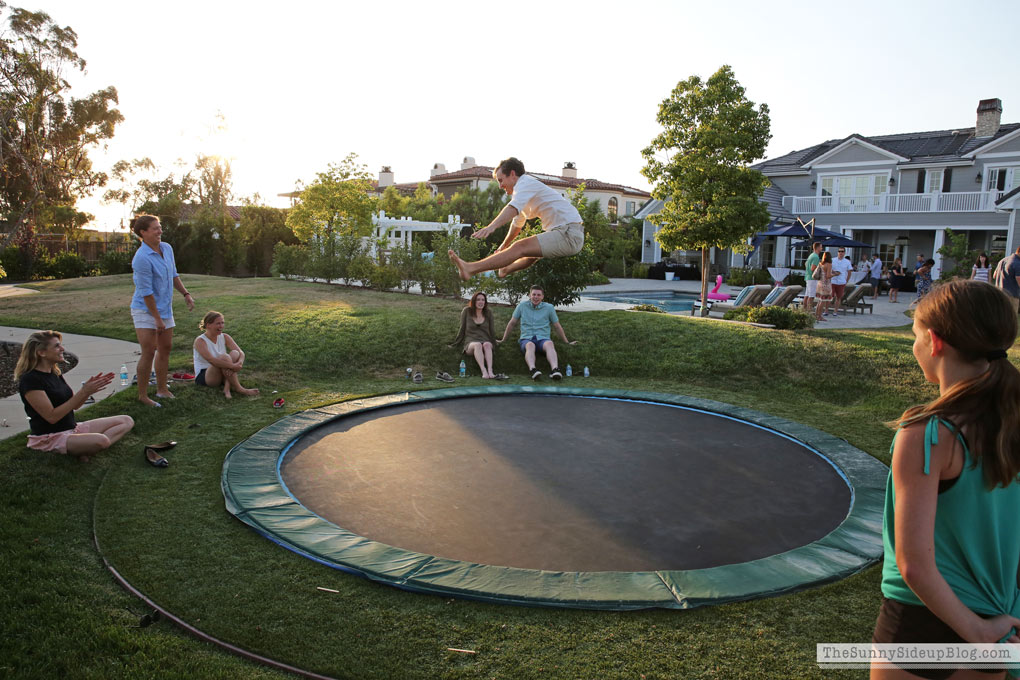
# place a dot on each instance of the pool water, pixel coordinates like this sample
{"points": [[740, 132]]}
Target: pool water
{"points": [[671, 302]]}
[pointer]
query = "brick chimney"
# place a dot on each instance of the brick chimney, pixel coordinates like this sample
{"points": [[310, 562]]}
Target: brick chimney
{"points": [[385, 177], [569, 170], [989, 114]]}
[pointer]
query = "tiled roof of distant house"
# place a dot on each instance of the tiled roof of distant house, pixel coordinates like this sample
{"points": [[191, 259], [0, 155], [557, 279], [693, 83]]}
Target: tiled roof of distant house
{"points": [[921, 148], [188, 211], [482, 171], [772, 197]]}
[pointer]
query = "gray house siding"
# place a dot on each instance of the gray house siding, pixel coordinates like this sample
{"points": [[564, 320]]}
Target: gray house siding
{"points": [[855, 153], [794, 186], [1012, 145]]}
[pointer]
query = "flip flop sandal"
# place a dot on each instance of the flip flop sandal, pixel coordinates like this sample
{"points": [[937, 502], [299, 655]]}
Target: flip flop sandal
{"points": [[162, 446], [182, 376], [417, 379], [279, 403], [502, 376], [159, 461], [444, 377]]}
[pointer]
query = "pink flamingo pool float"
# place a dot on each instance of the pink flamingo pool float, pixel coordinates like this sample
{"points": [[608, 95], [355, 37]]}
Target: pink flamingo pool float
{"points": [[714, 294]]}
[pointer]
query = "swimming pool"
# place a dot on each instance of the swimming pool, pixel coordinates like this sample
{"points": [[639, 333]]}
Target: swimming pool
{"points": [[669, 301]]}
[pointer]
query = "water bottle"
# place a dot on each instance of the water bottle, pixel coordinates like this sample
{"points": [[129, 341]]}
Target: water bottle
{"points": [[570, 371], [586, 373], [463, 368], [123, 375], [409, 372]]}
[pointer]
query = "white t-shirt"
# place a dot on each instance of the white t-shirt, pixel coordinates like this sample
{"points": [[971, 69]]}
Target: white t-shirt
{"points": [[876, 269], [842, 269], [534, 199]]}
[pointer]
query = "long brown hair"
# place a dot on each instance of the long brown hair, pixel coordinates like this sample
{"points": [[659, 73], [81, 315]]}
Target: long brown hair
{"points": [[473, 306], [978, 321], [29, 358]]}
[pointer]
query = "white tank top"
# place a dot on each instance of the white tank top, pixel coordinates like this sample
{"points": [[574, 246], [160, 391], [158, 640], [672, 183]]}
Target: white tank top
{"points": [[216, 349]]}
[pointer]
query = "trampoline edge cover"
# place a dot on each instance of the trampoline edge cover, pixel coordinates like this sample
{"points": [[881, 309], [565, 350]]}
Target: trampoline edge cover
{"points": [[254, 492]]}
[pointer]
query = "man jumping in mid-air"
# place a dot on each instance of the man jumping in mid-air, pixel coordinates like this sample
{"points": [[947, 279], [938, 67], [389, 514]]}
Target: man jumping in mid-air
{"points": [[562, 236]]}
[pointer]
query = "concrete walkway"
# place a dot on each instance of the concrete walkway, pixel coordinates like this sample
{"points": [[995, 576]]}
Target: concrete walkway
{"points": [[885, 313], [95, 355]]}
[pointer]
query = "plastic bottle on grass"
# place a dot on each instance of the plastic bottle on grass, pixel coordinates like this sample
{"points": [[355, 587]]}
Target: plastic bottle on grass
{"points": [[123, 375], [463, 368], [586, 373], [570, 371]]}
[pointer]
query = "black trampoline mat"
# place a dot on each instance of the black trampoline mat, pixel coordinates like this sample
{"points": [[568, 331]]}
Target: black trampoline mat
{"points": [[566, 483]]}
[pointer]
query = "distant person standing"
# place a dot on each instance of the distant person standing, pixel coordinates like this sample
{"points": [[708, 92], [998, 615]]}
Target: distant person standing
{"points": [[896, 275], [1007, 277], [825, 286], [841, 269], [155, 277], [875, 276], [922, 280], [811, 283], [981, 269]]}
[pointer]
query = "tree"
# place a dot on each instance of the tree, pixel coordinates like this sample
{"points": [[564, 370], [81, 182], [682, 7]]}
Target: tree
{"points": [[262, 227], [711, 131], [45, 134], [337, 203]]}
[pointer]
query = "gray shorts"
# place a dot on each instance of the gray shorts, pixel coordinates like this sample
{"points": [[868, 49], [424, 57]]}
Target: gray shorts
{"points": [[562, 241]]}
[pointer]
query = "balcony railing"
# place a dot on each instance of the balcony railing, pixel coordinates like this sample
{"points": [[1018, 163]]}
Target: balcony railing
{"points": [[964, 201]]}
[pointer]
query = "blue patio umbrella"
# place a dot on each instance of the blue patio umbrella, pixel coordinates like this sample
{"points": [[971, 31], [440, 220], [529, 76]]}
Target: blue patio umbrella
{"points": [[796, 230]]}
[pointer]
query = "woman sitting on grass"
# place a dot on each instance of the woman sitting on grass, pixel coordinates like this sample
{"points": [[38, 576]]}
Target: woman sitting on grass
{"points": [[50, 403], [218, 358], [952, 548], [478, 335]]}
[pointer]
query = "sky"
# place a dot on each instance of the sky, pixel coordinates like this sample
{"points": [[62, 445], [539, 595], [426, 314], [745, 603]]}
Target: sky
{"points": [[285, 89]]}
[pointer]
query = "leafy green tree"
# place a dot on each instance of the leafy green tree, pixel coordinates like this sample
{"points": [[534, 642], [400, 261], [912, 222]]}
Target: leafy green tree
{"points": [[391, 202], [698, 166], [336, 203], [477, 206], [956, 251], [45, 133], [262, 227]]}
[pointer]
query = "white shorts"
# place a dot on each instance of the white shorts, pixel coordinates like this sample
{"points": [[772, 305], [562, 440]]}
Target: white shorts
{"points": [[562, 241], [143, 319], [812, 287]]}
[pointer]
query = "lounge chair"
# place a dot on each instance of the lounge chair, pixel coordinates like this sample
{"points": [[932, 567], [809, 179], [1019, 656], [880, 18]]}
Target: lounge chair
{"points": [[782, 296], [750, 296], [855, 300], [841, 303]]}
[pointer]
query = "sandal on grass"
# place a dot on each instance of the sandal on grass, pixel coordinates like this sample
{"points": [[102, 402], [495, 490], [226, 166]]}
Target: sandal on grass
{"points": [[162, 446], [444, 377], [278, 403], [417, 379], [157, 461]]}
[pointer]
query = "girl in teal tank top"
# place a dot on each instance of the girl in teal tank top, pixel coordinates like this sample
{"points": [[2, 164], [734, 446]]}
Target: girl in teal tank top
{"points": [[951, 532]]}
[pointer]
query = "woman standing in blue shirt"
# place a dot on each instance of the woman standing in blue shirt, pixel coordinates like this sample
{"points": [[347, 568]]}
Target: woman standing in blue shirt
{"points": [[155, 276]]}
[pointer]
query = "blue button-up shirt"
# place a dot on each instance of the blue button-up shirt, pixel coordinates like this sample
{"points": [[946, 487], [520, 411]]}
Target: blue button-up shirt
{"points": [[535, 321], [154, 275]]}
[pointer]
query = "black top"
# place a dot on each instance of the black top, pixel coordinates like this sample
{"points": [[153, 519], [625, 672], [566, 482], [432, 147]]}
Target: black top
{"points": [[57, 390]]}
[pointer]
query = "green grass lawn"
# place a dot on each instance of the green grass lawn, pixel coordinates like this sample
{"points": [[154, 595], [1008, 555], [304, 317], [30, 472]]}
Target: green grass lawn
{"points": [[167, 532]]}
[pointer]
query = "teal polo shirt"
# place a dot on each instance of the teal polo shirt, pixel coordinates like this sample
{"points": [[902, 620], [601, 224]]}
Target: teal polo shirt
{"points": [[536, 321]]}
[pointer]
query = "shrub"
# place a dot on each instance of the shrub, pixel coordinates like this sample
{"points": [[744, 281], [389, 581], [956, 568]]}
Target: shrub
{"points": [[748, 277], [780, 317], [598, 279], [289, 260], [384, 276], [18, 266], [647, 308], [68, 265], [3, 273], [114, 262], [639, 271]]}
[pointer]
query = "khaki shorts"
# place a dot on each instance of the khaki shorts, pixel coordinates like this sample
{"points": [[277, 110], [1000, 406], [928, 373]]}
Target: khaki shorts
{"points": [[562, 241]]}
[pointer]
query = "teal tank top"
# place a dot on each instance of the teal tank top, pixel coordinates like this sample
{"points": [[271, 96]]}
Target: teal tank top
{"points": [[977, 537]]}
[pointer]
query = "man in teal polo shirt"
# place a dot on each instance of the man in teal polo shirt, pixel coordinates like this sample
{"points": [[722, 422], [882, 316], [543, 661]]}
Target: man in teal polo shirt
{"points": [[536, 319]]}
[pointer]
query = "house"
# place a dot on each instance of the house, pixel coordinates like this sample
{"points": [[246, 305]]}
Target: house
{"points": [[617, 200], [901, 192]]}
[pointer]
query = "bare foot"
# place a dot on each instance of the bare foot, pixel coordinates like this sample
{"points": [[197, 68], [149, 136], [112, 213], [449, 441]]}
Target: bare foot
{"points": [[249, 392], [165, 395], [148, 402], [460, 264], [226, 393], [83, 459]]}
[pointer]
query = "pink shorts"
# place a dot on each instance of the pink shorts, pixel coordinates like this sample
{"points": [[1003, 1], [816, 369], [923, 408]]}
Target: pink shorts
{"points": [[56, 441]]}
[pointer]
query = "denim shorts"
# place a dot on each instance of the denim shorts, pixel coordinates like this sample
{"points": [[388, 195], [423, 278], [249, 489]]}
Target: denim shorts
{"points": [[539, 343]]}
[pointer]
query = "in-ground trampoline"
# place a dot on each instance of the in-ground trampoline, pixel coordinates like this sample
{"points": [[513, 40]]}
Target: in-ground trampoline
{"points": [[562, 497]]}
